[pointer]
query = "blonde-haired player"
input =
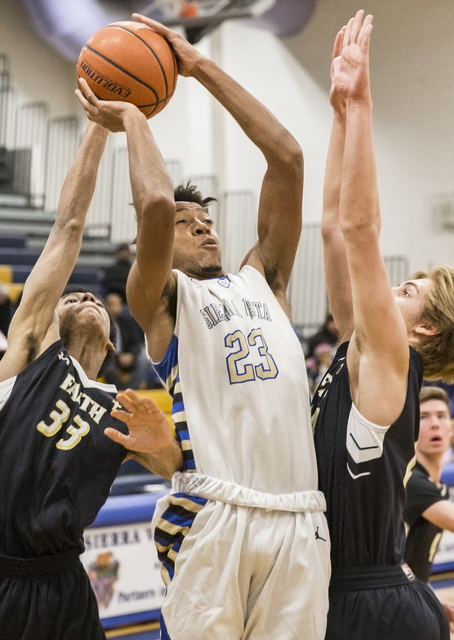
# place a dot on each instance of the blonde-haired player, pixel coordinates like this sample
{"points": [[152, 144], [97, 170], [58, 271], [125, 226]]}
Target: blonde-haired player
{"points": [[366, 409]]}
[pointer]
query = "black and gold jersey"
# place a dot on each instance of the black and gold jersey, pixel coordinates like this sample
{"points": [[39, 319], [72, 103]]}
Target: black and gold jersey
{"points": [[56, 464], [363, 468], [423, 537]]}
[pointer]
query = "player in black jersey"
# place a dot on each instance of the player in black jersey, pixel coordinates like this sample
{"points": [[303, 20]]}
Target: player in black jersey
{"points": [[56, 463], [366, 409], [428, 509]]}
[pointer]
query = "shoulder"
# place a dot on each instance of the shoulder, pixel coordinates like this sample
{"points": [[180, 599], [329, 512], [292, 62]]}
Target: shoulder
{"points": [[422, 493], [419, 478]]}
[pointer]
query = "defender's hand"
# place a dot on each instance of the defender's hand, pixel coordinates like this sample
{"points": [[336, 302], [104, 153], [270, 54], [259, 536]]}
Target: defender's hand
{"points": [[336, 99], [109, 114], [187, 56], [149, 430], [350, 70]]}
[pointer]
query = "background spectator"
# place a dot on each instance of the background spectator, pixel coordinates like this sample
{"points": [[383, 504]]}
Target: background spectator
{"points": [[129, 367], [327, 333], [320, 351], [428, 510], [114, 280]]}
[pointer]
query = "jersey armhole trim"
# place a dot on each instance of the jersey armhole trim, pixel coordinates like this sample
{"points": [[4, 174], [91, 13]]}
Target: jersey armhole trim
{"points": [[367, 423]]}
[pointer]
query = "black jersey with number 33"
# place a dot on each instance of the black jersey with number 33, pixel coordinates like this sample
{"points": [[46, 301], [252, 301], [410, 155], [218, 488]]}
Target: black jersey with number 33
{"points": [[362, 468], [56, 464]]}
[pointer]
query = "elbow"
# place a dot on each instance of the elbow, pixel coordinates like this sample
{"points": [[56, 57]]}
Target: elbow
{"points": [[72, 225], [359, 230], [155, 203], [330, 229], [287, 152]]}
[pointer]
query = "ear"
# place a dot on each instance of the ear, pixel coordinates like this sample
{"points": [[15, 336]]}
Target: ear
{"points": [[110, 346], [427, 330]]}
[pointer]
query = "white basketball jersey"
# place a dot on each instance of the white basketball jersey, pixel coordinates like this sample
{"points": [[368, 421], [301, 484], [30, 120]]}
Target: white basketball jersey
{"points": [[236, 371]]}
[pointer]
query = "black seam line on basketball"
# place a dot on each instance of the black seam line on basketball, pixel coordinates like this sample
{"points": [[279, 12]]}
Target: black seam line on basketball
{"points": [[175, 71], [152, 104], [363, 448], [155, 105], [147, 45], [123, 70]]}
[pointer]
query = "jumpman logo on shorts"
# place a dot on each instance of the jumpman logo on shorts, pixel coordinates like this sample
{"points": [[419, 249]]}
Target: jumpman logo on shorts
{"points": [[318, 536]]}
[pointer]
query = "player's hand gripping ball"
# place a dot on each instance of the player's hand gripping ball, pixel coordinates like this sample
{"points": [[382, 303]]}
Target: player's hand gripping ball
{"points": [[130, 62]]}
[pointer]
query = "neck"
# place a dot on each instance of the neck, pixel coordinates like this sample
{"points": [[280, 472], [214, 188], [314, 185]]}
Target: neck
{"points": [[89, 356], [207, 276], [197, 272], [432, 463]]}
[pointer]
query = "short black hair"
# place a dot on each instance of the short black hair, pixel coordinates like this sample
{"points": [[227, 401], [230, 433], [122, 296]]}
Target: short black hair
{"points": [[190, 193], [77, 288]]}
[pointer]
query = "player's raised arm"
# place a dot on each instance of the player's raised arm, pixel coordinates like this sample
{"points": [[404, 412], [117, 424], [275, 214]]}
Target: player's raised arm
{"points": [[34, 324], [378, 353], [280, 208], [335, 258], [152, 193]]}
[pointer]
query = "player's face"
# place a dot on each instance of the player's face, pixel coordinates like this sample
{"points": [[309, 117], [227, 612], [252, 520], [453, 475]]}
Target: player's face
{"points": [[435, 429], [410, 299], [196, 249], [84, 309]]}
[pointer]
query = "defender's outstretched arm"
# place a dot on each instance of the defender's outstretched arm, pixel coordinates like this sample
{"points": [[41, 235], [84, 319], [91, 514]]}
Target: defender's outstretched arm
{"points": [[152, 192], [35, 325], [337, 275], [378, 353]]}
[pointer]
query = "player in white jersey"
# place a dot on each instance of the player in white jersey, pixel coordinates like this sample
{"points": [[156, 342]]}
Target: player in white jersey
{"points": [[242, 536]]}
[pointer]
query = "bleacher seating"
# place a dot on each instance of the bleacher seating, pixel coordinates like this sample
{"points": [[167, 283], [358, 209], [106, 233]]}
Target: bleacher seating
{"points": [[17, 261], [14, 255], [13, 242], [6, 277], [21, 272], [84, 276]]}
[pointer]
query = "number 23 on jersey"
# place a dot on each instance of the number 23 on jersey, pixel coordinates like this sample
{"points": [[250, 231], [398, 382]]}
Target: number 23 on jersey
{"points": [[239, 365]]}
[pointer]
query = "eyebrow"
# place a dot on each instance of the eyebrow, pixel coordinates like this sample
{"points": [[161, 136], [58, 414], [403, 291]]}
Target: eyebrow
{"points": [[411, 284]]}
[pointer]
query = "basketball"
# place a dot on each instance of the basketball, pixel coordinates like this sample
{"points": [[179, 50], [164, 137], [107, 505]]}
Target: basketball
{"points": [[128, 61]]}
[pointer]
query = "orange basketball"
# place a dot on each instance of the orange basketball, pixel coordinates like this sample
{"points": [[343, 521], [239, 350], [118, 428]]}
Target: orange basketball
{"points": [[128, 61]]}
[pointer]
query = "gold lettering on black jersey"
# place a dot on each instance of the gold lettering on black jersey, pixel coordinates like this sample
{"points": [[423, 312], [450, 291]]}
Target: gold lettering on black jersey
{"points": [[58, 416], [314, 418], [76, 434], [73, 389], [97, 412]]}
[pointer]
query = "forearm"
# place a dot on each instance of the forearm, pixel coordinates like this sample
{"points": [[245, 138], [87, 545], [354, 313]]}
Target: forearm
{"points": [[80, 182], [359, 211], [333, 174], [334, 253], [60, 254], [153, 198], [150, 181], [164, 463], [261, 127], [50, 274]]}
